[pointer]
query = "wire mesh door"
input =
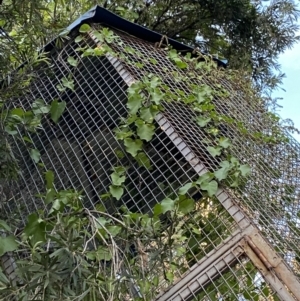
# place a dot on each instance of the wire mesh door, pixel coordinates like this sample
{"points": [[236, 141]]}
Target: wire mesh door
{"points": [[227, 257], [235, 270]]}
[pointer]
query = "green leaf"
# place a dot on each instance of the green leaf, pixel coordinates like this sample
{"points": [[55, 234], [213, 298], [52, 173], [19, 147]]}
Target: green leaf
{"points": [[134, 103], [123, 133], [202, 121], [84, 28], [214, 151], [155, 81], [222, 173], [103, 253], [4, 279], [114, 230], [57, 205], [184, 189], [116, 191], [170, 276], [205, 178], [40, 107], [72, 61], [82, 294], [245, 170], [49, 176], [35, 227], [68, 83], [27, 139], [234, 161], [117, 180], [172, 54], [153, 61], [120, 170], [186, 206], [50, 195], [108, 35], [99, 36], [88, 52], [57, 109], [157, 210], [143, 160], [78, 39], [167, 204], [155, 281], [4, 226], [7, 244], [101, 222], [210, 187], [133, 146], [156, 96], [145, 130], [35, 155], [17, 112], [224, 142], [148, 114], [11, 131]]}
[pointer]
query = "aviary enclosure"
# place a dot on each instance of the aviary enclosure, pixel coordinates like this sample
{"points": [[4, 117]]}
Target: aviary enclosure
{"points": [[243, 242]]}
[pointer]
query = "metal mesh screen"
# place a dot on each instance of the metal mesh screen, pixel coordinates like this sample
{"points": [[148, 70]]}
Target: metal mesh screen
{"points": [[238, 281], [81, 150], [271, 197]]}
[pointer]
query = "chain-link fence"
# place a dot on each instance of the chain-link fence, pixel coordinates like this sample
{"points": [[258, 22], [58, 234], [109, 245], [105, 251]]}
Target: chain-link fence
{"points": [[231, 237]]}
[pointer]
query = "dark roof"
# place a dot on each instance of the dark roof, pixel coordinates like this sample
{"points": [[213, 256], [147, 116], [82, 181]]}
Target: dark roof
{"points": [[103, 16]]}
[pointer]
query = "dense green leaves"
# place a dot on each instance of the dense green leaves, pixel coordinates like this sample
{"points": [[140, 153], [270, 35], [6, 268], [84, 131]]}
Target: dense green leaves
{"points": [[75, 250]]}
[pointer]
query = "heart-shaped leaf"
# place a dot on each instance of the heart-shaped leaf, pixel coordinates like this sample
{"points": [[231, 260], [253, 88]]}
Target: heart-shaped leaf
{"points": [[116, 191], [210, 187], [133, 146]]}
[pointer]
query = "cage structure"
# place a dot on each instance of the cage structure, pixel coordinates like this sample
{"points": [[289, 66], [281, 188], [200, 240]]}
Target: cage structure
{"points": [[247, 246]]}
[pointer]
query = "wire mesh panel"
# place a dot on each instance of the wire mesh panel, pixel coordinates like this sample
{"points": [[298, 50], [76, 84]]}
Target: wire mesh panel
{"points": [[271, 196], [238, 281], [82, 149]]}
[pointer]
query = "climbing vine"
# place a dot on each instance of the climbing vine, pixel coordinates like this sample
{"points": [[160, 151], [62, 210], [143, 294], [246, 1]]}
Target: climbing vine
{"points": [[81, 254]]}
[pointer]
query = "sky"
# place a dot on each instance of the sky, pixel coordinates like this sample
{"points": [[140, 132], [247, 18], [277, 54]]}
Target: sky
{"points": [[290, 64]]}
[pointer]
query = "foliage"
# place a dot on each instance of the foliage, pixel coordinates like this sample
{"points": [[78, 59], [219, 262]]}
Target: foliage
{"points": [[249, 34], [71, 252]]}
